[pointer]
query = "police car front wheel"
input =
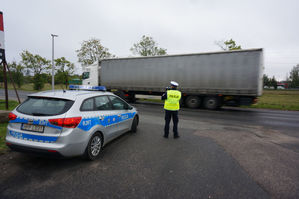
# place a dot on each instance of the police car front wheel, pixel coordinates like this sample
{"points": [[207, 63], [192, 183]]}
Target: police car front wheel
{"points": [[94, 146], [135, 124]]}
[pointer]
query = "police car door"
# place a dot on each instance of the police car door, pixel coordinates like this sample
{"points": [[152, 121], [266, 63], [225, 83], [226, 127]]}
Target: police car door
{"points": [[96, 113], [121, 107], [108, 116]]}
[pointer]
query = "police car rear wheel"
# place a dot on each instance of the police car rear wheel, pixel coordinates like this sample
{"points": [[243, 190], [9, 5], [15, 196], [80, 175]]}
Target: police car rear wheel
{"points": [[94, 147]]}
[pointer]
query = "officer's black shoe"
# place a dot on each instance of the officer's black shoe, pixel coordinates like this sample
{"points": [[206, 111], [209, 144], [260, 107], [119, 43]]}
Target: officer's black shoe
{"points": [[165, 136], [177, 136]]}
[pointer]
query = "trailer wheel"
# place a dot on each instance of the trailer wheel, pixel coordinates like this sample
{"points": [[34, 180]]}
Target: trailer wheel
{"points": [[211, 103], [193, 101]]}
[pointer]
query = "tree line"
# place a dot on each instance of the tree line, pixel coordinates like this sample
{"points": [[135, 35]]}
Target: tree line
{"points": [[36, 69], [92, 50], [292, 79]]}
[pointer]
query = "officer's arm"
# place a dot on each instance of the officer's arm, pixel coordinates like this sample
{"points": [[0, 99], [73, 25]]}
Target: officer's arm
{"points": [[164, 96]]}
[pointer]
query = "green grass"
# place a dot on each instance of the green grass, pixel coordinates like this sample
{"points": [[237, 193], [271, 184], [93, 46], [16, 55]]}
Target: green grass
{"points": [[3, 126], [3, 147], [278, 99], [11, 104], [29, 87]]}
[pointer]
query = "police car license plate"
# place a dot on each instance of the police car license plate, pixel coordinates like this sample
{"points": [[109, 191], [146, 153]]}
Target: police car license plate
{"points": [[31, 127]]}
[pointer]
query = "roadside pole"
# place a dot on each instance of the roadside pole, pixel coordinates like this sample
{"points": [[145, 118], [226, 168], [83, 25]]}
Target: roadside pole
{"points": [[53, 67]]}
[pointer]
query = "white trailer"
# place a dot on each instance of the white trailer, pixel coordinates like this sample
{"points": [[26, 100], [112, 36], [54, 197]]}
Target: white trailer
{"points": [[206, 79]]}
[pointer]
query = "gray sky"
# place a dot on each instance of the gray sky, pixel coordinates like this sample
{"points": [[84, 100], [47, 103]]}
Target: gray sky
{"points": [[180, 26]]}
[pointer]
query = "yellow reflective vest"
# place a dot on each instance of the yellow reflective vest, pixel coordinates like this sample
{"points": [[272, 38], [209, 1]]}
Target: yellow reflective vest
{"points": [[172, 103]]}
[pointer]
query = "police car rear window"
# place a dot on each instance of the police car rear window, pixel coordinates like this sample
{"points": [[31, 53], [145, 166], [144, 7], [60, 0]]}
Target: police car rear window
{"points": [[45, 106]]}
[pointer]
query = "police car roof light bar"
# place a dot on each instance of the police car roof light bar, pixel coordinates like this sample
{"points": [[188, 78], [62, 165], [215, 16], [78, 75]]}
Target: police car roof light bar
{"points": [[86, 87]]}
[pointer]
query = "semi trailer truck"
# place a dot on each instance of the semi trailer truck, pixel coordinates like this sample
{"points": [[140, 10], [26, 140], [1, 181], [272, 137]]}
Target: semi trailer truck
{"points": [[208, 80]]}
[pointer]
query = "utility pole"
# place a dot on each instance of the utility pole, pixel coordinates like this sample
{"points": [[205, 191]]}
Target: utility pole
{"points": [[53, 68]]}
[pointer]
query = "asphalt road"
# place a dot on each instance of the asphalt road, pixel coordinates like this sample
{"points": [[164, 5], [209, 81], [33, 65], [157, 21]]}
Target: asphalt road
{"points": [[12, 94], [229, 153]]}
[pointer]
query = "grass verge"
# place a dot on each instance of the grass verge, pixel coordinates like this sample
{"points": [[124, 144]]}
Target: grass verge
{"points": [[278, 99], [3, 147], [3, 126]]}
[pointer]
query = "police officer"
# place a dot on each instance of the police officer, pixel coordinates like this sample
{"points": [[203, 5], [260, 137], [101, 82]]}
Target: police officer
{"points": [[172, 105]]}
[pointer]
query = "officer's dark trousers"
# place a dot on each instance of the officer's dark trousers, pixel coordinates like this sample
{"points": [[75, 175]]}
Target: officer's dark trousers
{"points": [[175, 119]]}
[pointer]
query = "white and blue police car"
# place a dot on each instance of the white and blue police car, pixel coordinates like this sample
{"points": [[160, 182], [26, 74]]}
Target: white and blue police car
{"points": [[69, 123]]}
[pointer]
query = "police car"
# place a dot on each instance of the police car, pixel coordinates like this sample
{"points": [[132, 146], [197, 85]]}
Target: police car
{"points": [[69, 123]]}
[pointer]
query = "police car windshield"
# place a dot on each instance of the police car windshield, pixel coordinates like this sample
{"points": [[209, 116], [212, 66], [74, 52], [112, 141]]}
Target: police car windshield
{"points": [[40, 106]]}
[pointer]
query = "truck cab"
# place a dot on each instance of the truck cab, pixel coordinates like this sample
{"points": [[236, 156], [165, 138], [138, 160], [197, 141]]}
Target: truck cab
{"points": [[90, 75]]}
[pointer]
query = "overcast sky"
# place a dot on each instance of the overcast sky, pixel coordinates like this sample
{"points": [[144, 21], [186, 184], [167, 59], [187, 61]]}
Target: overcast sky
{"points": [[180, 26]]}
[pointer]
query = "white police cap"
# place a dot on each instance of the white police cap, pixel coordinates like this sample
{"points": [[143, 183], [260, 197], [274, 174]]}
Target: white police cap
{"points": [[173, 83]]}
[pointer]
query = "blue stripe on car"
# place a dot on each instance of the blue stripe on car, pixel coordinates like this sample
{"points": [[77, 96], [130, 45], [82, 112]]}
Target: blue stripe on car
{"points": [[87, 123], [29, 137]]}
